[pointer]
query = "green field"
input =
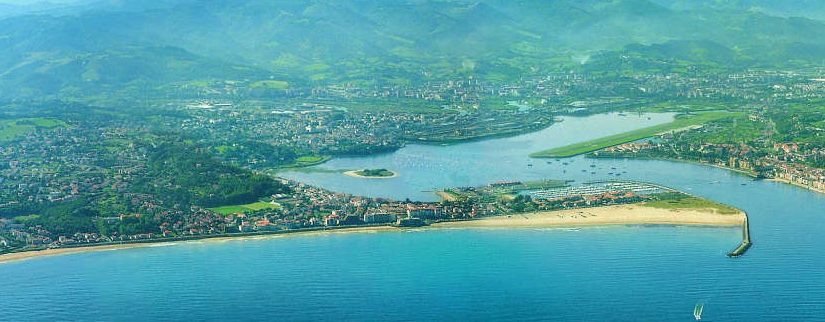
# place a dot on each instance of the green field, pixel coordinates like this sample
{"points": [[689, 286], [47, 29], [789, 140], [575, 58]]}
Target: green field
{"points": [[227, 210], [26, 218], [682, 201], [270, 84], [310, 159], [682, 121], [306, 161], [11, 128]]}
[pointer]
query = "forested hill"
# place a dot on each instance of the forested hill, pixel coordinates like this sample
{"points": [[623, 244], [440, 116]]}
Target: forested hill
{"points": [[182, 175], [171, 179], [101, 48]]}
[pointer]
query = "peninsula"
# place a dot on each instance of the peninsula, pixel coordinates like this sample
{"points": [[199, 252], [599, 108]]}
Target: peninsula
{"points": [[544, 203], [641, 214], [680, 123]]}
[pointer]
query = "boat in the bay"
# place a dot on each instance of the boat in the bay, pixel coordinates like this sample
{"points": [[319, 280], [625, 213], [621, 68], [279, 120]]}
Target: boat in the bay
{"points": [[697, 311]]}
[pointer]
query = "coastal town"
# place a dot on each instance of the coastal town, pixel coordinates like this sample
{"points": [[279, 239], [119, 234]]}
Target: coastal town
{"points": [[87, 177], [786, 162], [564, 91], [309, 208]]}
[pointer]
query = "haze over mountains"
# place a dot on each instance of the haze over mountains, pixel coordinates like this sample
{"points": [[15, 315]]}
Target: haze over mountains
{"points": [[92, 47], [789, 8]]}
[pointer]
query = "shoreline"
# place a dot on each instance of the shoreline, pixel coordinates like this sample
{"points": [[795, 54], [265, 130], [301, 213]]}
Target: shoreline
{"points": [[32, 254], [738, 171], [785, 181], [354, 174], [491, 136], [616, 215]]}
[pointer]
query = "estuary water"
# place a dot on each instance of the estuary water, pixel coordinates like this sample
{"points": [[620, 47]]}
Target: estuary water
{"points": [[422, 169], [629, 273]]}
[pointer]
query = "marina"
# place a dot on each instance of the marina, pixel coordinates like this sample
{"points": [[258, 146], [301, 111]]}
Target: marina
{"points": [[599, 188]]}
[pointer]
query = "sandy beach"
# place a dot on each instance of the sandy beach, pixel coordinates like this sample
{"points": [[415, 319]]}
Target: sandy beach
{"points": [[354, 173], [5, 258], [612, 215], [445, 196], [61, 251]]}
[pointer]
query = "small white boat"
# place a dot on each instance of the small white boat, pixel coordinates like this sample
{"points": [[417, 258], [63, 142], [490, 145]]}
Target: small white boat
{"points": [[697, 311]]}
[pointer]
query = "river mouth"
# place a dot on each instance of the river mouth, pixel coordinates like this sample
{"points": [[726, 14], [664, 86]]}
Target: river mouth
{"points": [[428, 168]]}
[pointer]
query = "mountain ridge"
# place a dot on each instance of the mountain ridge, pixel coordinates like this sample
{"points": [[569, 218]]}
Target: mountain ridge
{"points": [[309, 41]]}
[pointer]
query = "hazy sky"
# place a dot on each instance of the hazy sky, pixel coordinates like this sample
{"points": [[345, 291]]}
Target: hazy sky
{"points": [[35, 1]]}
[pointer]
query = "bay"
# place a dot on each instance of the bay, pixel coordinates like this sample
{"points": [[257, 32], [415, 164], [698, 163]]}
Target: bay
{"points": [[603, 273]]}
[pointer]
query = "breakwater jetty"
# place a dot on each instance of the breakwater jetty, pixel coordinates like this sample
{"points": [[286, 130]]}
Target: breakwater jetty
{"points": [[746, 240]]}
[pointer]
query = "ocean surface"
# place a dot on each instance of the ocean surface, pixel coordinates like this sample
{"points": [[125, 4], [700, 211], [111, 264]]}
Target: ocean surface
{"points": [[627, 273]]}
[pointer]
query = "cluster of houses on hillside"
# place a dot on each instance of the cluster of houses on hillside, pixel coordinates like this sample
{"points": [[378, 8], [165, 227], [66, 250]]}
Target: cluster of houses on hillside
{"points": [[787, 161]]}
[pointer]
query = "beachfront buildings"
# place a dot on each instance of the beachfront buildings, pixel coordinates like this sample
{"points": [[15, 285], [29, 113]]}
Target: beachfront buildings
{"points": [[379, 218], [422, 211]]}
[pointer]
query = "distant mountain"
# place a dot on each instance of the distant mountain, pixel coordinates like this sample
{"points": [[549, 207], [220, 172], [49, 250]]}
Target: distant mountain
{"points": [[112, 45], [9, 9], [112, 71], [75, 7], [689, 51], [813, 9], [24, 7]]}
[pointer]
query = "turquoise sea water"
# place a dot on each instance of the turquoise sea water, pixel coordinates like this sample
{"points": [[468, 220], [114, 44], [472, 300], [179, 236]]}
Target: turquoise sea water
{"points": [[613, 273]]}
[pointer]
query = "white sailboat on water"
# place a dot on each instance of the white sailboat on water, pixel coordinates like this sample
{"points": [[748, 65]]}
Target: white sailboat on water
{"points": [[697, 311]]}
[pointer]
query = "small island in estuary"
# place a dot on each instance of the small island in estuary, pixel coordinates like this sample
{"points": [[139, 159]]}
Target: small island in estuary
{"points": [[372, 173]]}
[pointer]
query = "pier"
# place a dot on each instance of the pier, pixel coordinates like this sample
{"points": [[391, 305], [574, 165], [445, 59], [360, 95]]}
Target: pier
{"points": [[743, 247], [746, 240]]}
